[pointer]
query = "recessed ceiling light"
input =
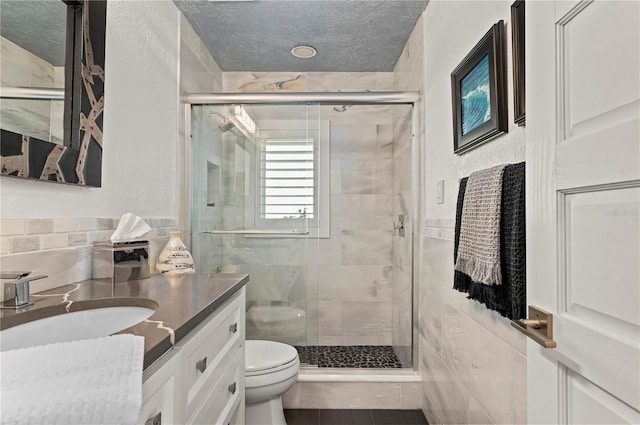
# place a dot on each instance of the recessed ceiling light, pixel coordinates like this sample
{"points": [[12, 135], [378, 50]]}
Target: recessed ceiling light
{"points": [[303, 52]]}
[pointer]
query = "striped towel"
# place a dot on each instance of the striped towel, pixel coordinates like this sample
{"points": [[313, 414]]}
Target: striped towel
{"points": [[479, 250]]}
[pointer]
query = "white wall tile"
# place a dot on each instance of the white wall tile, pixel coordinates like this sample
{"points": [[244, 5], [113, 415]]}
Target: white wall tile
{"points": [[355, 340], [366, 319], [341, 81], [330, 318], [366, 247], [85, 224], [264, 81], [12, 226], [338, 395], [39, 226], [65, 225], [99, 236], [105, 223], [5, 245], [480, 360], [519, 389], [411, 395], [53, 241], [25, 243], [355, 283], [384, 81], [445, 395], [77, 239]]}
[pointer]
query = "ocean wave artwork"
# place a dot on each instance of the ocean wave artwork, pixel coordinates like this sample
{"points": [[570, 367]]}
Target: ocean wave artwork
{"points": [[475, 97]]}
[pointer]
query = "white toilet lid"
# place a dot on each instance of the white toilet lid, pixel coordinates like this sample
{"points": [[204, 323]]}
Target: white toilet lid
{"points": [[263, 355]]}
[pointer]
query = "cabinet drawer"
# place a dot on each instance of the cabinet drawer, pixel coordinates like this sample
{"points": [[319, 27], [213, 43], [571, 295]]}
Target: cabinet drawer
{"points": [[157, 408], [236, 415], [208, 353], [225, 395]]}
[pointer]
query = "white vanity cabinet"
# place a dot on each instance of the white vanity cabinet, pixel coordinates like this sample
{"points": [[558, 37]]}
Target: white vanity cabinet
{"points": [[202, 379]]}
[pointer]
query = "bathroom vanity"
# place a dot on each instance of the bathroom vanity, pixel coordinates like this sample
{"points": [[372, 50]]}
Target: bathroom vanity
{"points": [[200, 380], [194, 342]]}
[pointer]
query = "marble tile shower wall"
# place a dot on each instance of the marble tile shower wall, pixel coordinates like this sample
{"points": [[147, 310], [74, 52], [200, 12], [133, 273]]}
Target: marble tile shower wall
{"points": [[61, 247], [343, 282], [473, 368]]}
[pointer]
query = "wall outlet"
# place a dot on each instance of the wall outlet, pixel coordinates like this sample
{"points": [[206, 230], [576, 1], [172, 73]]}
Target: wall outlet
{"points": [[440, 192]]}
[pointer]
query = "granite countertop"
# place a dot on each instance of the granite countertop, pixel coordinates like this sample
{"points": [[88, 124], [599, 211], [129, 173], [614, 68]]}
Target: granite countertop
{"points": [[181, 303]]}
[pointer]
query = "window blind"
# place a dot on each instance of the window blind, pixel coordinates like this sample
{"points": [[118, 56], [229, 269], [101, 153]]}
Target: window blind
{"points": [[288, 175]]}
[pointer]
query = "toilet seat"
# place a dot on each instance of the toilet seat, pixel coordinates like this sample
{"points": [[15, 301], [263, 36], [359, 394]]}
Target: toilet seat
{"points": [[264, 357]]}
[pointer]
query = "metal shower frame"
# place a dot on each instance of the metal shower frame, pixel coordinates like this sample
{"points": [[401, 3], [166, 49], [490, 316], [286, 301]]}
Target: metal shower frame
{"points": [[322, 98]]}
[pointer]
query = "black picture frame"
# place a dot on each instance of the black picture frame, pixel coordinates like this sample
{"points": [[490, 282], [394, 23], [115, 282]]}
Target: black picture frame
{"points": [[517, 41], [481, 73]]}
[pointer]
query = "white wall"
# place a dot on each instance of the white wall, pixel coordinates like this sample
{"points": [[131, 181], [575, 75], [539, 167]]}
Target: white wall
{"points": [[473, 364], [140, 125]]}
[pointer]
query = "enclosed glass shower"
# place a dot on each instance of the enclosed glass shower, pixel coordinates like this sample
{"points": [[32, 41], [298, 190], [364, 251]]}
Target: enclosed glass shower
{"points": [[315, 200]]}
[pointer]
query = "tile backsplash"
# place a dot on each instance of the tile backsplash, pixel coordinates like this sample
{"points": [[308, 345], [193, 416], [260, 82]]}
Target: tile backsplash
{"points": [[61, 248]]}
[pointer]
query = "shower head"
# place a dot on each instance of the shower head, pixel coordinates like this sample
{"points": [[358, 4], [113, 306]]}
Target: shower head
{"points": [[226, 126], [226, 123]]}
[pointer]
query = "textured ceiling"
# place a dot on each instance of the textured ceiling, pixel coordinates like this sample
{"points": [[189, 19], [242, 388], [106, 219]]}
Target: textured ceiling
{"points": [[349, 35], [37, 26]]}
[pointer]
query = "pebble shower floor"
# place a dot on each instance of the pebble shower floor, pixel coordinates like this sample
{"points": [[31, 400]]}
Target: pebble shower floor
{"points": [[352, 356]]}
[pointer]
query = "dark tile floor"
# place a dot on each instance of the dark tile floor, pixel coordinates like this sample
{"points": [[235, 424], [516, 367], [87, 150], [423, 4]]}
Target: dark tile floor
{"points": [[353, 356], [354, 417]]}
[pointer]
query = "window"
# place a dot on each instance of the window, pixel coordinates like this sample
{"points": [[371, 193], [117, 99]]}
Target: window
{"points": [[293, 179], [287, 179]]}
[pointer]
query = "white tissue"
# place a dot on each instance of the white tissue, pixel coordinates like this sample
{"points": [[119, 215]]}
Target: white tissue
{"points": [[130, 227]]}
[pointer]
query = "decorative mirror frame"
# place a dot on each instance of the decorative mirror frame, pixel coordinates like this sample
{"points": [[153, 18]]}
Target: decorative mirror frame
{"points": [[79, 160]]}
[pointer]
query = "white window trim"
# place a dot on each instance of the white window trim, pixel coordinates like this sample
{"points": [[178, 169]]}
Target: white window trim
{"points": [[322, 230]]}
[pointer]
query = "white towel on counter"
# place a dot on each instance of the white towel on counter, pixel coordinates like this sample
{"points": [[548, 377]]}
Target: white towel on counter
{"points": [[479, 247], [94, 381]]}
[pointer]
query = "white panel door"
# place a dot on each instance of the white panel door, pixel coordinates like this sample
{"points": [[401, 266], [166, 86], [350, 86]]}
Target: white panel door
{"points": [[583, 197]]}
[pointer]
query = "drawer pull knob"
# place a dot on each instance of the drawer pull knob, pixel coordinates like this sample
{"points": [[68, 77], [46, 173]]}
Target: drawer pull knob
{"points": [[232, 388], [233, 328], [154, 420], [201, 365]]}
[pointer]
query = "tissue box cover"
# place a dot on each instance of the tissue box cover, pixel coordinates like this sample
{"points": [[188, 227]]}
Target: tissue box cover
{"points": [[120, 261]]}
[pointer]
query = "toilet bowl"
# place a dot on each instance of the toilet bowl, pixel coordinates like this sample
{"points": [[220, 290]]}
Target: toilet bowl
{"points": [[271, 368]]}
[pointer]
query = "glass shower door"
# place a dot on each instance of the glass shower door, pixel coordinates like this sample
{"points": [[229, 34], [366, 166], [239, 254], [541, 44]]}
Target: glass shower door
{"points": [[255, 205]]}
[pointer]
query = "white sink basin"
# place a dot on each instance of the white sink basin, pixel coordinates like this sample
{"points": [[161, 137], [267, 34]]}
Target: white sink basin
{"points": [[74, 326]]}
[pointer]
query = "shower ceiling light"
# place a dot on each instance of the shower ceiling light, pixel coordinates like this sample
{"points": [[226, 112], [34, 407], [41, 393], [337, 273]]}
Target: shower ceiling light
{"points": [[241, 115], [304, 52]]}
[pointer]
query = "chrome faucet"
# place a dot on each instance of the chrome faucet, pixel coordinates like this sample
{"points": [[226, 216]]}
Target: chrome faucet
{"points": [[16, 291]]}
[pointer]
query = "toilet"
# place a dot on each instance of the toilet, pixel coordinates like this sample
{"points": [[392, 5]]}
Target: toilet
{"points": [[271, 368]]}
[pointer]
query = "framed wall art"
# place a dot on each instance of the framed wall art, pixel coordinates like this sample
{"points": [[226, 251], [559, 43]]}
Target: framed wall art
{"points": [[479, 93], [517, 40]]}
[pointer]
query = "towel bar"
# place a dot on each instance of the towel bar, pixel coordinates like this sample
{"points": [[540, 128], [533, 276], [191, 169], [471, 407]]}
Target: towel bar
{"points": [[256, 232], [538, 327]]}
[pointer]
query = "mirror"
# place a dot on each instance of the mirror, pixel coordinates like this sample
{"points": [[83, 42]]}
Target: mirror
{"points": [[52, 78]]}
